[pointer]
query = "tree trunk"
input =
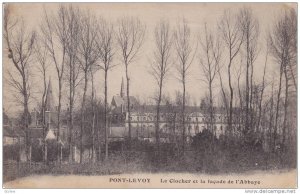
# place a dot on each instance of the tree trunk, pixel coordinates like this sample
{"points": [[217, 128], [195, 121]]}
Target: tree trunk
{"points": [[105, 116], [261, 95], [82, 116], [128, 106], [277, 107], [211, 107], [157, 127], [251, 100], [26, 117], [183, 115], [211, 112], [93, 121], [271, 115], [71, 158], [158, 115], [43, 114], [223, 94], [98, 136], [247, 86], [285, 106], [231, 99], [58, 115]]}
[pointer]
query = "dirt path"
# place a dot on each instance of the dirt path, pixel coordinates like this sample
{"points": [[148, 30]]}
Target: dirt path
{"points": [[257, 179]]}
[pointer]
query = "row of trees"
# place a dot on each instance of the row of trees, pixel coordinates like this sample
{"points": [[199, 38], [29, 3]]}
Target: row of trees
{"points": [[236, 37], [78, 44]]}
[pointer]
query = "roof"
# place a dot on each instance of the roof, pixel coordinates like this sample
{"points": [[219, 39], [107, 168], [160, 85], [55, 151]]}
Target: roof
{"points": [[165, 109], [50, 135], [192, 110], [122, 100], [119, 101]]}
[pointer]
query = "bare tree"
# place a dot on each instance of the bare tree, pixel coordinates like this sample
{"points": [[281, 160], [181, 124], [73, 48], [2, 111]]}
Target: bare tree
{"points": [[239, 75], [55, 32], [282, 41], [263, 86], [41, 55], [87, 57], [271, 114], [292, 66], [106, 53], [93, 103], [185, 55], [72, 72], [209, 60], [233, 40], [20, 44], [223, 91], [250, 28], [160, 65], [130, 37]]}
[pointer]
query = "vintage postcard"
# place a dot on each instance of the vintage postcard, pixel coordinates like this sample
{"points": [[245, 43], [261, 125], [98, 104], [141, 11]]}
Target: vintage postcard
{"points": [[149, 95]]}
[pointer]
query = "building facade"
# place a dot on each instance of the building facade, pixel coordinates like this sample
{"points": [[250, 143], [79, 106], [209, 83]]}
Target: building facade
{"points": [[143, 120]]}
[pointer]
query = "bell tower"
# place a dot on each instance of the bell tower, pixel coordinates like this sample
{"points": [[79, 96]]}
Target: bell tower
{"points": [[49, 105]]}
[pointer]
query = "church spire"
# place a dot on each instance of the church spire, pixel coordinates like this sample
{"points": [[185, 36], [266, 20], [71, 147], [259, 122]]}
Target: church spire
{"points": [[49, 98], [122, 92]]}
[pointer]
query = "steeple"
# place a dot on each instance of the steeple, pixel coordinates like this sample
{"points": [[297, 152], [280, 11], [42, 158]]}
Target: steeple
{"points": [[122, 92], [49, 98]]}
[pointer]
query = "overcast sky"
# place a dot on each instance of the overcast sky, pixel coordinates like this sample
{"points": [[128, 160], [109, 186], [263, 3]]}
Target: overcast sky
{"points": [[142, 83]]}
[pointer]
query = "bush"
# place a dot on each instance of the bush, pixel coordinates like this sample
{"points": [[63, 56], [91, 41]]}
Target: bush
{"points": [[11, 152]]}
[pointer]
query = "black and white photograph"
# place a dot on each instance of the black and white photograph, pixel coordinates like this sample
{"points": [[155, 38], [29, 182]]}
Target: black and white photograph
{"points": [[149, 95]]}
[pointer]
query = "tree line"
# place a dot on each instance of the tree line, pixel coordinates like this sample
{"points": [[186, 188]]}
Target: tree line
{"points": [[78, 44]]}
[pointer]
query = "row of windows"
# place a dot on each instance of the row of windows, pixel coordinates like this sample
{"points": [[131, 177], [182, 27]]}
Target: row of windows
{"points": [[152, 118], [165, 126], [190, 131]]}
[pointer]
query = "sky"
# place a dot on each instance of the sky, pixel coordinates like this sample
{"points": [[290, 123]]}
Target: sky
{"points": [[142, 83]]}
